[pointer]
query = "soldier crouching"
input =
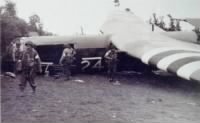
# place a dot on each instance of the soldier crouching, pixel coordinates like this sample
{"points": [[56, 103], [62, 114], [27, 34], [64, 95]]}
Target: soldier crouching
{"points": [[30, 63]]}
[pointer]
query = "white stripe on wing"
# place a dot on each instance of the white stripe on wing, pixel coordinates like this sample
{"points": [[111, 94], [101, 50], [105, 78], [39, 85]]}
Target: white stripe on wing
{"points": [[187, 70], [147, 56], [165, 62]]}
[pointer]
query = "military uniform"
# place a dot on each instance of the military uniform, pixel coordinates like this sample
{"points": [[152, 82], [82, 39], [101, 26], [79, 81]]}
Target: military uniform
{"points": [[30, 63], [111, 60], [18, 58], [198, 35], [66, 60], [197, 31], [172, 26], [10, 58], [198, 39]]}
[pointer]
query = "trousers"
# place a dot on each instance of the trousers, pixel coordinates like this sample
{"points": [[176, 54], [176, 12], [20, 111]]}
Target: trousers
{"points": [[28, 76]]}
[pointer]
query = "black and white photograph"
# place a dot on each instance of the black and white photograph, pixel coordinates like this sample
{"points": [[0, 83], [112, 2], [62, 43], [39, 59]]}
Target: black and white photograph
{"points": [[100, 61]]}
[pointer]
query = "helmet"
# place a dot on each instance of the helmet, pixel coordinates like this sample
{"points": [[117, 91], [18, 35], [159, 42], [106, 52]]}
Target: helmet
{"points": [[30, 43], [18, 42], [67, 46], [111, 46]]}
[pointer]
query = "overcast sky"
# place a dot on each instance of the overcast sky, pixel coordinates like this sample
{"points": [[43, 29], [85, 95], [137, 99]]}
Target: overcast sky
{"points": [[65, 17]]}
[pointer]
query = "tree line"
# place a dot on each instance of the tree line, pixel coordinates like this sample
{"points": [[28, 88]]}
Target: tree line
{"points": [[13, 27]]}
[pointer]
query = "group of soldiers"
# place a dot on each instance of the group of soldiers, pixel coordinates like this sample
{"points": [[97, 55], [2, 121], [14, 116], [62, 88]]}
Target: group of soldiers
{"points": [[174, 24], [68, 57], [27, 62]]}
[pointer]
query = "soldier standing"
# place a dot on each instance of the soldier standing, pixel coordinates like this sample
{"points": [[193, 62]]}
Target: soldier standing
{"points": [[18, 57], [198, 34], [30, 63], [111, 60], [10, 57], [197, 31], [66, 60], [172, 26], [178, 27]]}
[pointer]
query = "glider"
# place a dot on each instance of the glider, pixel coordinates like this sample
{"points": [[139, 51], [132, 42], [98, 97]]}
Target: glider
{"points": [[175, 52], [133, 36]]}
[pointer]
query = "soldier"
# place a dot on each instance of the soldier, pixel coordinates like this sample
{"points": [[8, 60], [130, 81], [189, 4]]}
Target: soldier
{"points": [[162, 23], [10, 57], [30, 63], [155, 19], [197, 31], [111, 60], [67, 59], [178, 27], [18, 57], [172, 26], [198, 34]]}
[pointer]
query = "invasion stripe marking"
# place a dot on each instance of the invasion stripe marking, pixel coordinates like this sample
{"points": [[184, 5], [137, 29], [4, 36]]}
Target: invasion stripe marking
{"points": [[155, 59], [187, 70], [145, 58], [165, 62], [173, 67], [195, 76]]}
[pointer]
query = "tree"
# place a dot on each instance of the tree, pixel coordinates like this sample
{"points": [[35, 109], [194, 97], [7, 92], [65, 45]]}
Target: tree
{"points": [[1, 9], [11, 25], [35, 25], [34, 22], [40, 29], [10, 8]]}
